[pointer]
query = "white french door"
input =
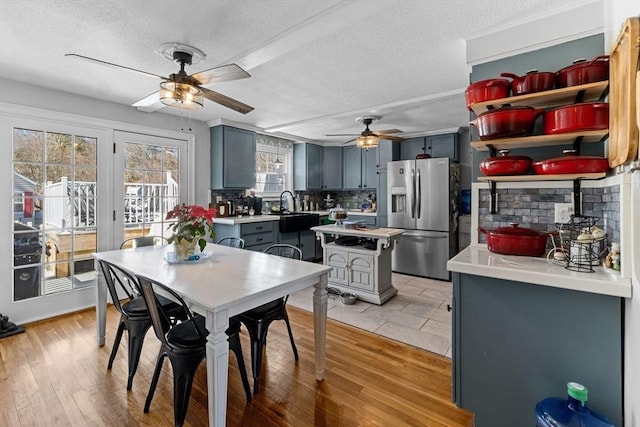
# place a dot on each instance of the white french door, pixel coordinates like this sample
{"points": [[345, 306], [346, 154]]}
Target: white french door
{"points": [[150, 178]]}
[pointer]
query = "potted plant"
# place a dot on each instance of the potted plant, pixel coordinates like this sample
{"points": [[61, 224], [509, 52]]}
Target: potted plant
{"points": [[192, 224]]}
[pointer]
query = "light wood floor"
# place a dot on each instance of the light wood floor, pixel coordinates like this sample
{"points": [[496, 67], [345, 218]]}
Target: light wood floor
{"points": [[56, 375]]}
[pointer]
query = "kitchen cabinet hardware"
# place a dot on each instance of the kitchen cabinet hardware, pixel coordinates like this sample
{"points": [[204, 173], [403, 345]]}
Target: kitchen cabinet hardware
{"points": [[449, 307]]}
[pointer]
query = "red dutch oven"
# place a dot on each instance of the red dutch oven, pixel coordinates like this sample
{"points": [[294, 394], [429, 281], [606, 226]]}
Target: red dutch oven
{"points": [[577, 117], [486, 90], [514, 240], [505, 164], [506, 121], [531, 82], [583, 72], [571, 163]]}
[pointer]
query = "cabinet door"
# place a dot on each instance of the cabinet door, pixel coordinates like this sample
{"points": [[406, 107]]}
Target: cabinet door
{"points": [[314, 166], [292, 239], [308, 245], [337, 260], [233, 158], [388, 151], [410, 148], [369, 165], [332, 179], [352, 168], [445, 146], [361, 269]]}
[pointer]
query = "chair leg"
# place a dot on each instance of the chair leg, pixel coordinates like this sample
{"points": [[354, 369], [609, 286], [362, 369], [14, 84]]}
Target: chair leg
{"points": [[257, 344], [136, 331], [236, 347], [154, 380], [116, 343], [184, 369], [293, 344]]}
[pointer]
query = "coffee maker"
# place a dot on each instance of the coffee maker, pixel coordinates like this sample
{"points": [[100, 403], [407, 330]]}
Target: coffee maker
{"points": [[255, 202]]}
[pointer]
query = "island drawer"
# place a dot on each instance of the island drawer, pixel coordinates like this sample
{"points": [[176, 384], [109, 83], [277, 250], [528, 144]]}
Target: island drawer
{"points": [[257, 239], [256, 227]]}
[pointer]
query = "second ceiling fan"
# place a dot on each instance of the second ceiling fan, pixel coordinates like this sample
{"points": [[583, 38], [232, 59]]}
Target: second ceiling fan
{"points": [[369, 138]]}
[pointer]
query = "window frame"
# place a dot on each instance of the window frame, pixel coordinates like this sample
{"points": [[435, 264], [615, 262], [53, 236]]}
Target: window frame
{"points": [[287, 153]]}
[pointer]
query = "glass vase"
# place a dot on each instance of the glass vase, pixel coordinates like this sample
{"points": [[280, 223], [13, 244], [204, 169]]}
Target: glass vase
{"points": [[185, 249]]}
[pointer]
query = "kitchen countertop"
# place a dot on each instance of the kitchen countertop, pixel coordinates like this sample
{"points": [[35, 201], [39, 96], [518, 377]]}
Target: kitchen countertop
{"points": [[246, 219], [373, 233], [479, 261]]}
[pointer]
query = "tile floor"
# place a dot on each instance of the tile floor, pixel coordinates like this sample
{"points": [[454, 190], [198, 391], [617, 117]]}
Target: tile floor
{"points": [[417, 315]]}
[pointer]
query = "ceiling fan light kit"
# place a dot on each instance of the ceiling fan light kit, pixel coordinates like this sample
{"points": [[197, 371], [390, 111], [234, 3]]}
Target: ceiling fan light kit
{"points": [[369, 141], [180, 95]]}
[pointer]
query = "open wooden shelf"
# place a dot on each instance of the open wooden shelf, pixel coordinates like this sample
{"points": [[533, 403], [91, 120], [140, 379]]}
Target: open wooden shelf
{"points": [[547, 99], [540, 140], [557, 177]]}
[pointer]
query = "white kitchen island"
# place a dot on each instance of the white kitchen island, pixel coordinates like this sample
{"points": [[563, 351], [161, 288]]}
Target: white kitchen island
{"points": [[355, 269]]}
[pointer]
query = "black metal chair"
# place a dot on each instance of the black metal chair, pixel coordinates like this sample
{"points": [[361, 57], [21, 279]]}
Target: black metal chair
{"points": [[136, 242], [234, 242], [257, 320], [134, 316], [185, 345]]}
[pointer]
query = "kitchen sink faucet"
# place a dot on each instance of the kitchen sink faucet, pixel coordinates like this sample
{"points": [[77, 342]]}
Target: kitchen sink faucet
{"points": [[293, 198]]}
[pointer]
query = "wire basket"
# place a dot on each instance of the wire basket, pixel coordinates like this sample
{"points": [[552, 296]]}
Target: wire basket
{"points": [[580, 243]]}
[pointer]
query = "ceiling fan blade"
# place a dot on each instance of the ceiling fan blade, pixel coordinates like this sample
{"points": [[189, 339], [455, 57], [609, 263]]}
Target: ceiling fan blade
{"points": [[351, 140], [149, 103], [380, 132], [224, 73], [343, 134], [226, 101], [109, 64], [392, 138]]}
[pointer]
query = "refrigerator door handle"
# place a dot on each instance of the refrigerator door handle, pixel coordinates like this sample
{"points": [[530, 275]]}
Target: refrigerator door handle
{"points": [[413, 194], [419, 193], [422, 236]]}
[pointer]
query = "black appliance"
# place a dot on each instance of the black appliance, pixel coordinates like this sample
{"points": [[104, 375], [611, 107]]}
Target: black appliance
{"points": [[255, 202], [27, 250]]}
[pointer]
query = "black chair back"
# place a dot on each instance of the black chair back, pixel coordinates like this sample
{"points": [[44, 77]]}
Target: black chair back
{"points": [[117, 278], [136, 242], [234, 242], [284, 250], [161, 320]]}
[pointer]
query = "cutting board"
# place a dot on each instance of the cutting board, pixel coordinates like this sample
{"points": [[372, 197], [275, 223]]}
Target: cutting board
{"points": [[623, 120]]}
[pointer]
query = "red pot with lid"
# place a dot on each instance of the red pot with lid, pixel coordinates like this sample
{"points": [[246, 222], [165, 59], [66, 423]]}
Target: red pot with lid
{"points": [[571, 163], [583, 72], [506, 121], [486, 90], [577, 117], [504, 164], [516, 240], [533, 81]]}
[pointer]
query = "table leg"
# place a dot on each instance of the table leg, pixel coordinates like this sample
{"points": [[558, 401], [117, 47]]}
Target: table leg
{"points": [[101, 304], [320, 323], [217, 367]]}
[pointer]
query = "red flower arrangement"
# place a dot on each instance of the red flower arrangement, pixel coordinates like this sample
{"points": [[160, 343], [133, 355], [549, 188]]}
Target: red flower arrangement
{"points": [[192, 222]]}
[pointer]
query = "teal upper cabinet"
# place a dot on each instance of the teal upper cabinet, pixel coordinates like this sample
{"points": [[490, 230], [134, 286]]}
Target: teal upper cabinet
{"points": [[359, 170], [308, 162], [410, 148], [388, 151], [233, 158], [447, 145], [332, 171]]}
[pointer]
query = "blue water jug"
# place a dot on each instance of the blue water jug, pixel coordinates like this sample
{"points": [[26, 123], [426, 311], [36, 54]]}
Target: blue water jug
{"points": [[570, 412]]}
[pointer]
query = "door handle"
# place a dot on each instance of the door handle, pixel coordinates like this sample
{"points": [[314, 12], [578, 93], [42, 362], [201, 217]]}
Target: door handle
{"points": [[419, 194], [413, 194]]}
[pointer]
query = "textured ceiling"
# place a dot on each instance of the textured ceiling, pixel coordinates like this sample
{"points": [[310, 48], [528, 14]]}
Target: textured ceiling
{"points": [[315, 65]]}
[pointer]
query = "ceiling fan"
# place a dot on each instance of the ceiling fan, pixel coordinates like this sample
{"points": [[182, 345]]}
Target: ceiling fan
{"points": [[369, 138], [181, 90]]}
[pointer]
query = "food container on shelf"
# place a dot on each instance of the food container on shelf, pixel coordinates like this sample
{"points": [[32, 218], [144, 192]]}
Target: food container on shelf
{"points": [[533, 81], [583, 72], [486, 90], [577, 117], [506, 121], [571, 163], [505, 164], [516, 240]]}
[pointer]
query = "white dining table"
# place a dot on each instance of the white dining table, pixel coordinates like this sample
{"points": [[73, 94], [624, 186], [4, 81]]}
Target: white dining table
{"points": [[227, 282]]}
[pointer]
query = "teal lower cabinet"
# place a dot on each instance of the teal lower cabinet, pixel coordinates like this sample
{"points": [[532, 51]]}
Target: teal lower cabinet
{"points": [[257, 235], [516, 343], [305, 240]]}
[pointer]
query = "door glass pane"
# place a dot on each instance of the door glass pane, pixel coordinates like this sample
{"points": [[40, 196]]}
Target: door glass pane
{"points": [[54, 205], [150, 187]]}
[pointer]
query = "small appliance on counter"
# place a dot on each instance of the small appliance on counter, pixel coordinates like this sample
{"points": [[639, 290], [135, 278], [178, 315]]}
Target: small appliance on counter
{"points": [[329, 203], [254, 202]]}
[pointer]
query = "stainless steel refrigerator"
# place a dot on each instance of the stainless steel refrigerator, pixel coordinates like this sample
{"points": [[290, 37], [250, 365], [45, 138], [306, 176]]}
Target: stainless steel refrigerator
{"points": [[423, 199]]}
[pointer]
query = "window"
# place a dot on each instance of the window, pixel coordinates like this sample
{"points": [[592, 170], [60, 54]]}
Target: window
{"points": [[273, 165]]}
